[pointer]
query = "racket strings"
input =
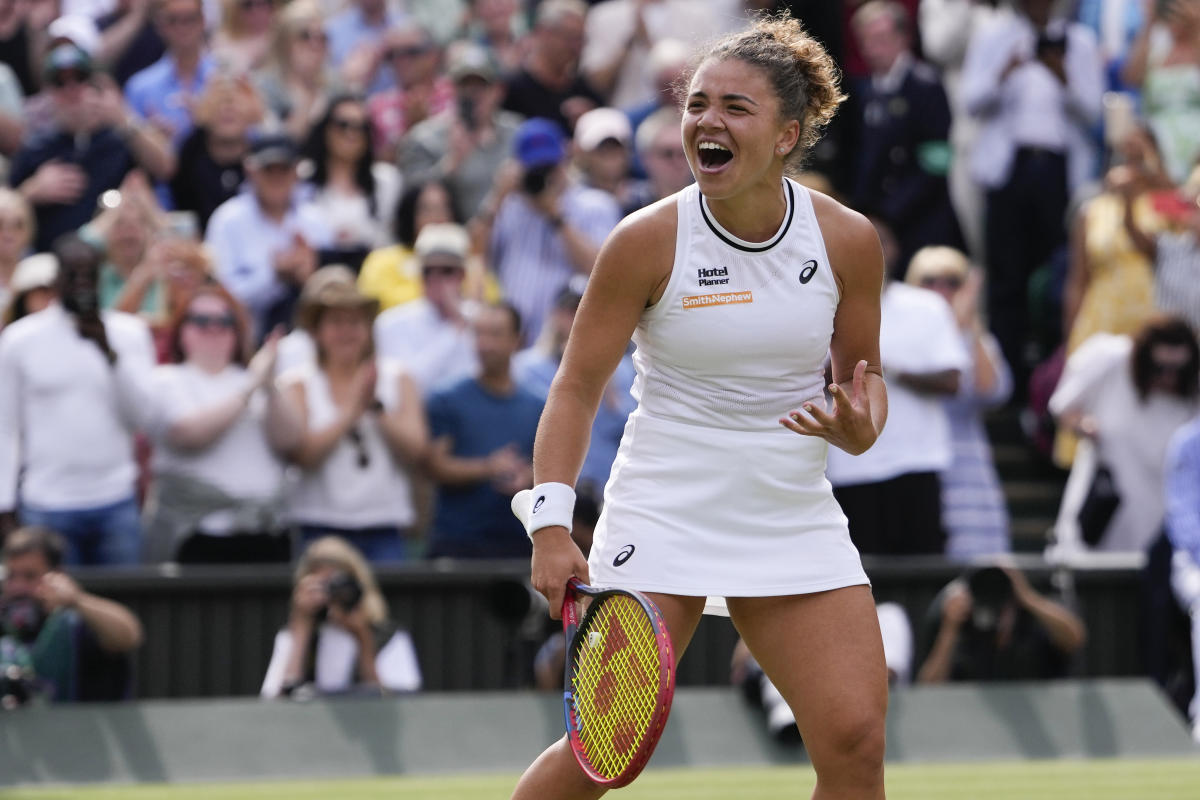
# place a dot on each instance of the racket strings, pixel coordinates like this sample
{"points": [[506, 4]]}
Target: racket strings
{"points": [[616, 683]]}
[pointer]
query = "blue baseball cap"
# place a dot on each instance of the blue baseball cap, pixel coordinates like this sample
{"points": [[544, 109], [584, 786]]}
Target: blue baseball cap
{"points": [[539, 143]]}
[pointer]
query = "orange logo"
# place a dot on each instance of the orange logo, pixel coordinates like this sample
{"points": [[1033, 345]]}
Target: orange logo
{"points": [[718, 299]]}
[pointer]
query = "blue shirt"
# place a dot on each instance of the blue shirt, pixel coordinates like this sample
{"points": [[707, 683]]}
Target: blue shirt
{"points": [[474, 520], [348, 31], [158, 94], [1183, 490], [536, 370]]}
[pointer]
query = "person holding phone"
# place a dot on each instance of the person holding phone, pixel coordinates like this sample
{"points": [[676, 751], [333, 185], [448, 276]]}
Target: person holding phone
{"points": [[467, 143], [546, 227], [70, 467], [735, 290], [95, 140]]}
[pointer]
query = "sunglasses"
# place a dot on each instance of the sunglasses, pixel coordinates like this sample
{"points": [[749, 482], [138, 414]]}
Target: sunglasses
{"points": [[442, 271], [668, 152], [349, 125], [1161, 368], [69, 77], [318, 36], [207, 322], [250, 5], [944, 282], [360, 447], [413, 51]]}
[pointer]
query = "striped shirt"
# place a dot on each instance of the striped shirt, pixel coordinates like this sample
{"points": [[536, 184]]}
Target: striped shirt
{"points": [[530, 257], [1183, 490], [1177, 276]]}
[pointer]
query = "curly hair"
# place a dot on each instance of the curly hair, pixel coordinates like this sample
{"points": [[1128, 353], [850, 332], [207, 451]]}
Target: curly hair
{"points": [[805, 78]]}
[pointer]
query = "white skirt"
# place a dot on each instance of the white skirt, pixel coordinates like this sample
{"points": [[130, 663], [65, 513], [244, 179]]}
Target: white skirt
{"points": [[698, 511]]}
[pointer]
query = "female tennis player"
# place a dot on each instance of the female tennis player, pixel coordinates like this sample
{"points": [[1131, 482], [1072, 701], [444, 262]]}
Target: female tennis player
{"points": [[734, 290]]}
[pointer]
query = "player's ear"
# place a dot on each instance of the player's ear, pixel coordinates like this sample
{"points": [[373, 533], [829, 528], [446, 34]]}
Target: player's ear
{"points": [[788, 137]]}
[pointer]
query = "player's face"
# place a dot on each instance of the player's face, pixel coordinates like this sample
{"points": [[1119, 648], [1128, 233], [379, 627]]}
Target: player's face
{"points": [[731, 128]]}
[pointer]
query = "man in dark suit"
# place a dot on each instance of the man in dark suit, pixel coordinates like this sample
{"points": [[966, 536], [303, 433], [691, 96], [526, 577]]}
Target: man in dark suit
{"points": [[904, 153]]}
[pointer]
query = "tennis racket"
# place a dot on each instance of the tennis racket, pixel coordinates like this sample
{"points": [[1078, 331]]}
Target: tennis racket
{"points": [[619, 680]]}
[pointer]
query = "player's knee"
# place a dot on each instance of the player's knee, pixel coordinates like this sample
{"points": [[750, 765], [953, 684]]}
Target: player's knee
{"points": [[856, 742]]}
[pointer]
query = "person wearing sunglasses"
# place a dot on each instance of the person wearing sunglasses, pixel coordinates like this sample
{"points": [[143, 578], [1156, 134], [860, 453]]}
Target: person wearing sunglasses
{"points": [[355, 194], [297, 76], [974, 511], [363, 427], [222, 430], [1127, 395], [93, 142], [416, 90]]}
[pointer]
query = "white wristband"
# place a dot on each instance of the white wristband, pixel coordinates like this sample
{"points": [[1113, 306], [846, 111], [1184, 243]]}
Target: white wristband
{"points": [[544, 506]]}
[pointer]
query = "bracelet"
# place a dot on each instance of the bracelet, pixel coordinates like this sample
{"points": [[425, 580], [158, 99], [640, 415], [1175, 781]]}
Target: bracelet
{"points": [[545, 505]]}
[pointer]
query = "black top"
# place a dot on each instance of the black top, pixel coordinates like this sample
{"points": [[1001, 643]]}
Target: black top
{"points": [[529, 98], [200, 184]]}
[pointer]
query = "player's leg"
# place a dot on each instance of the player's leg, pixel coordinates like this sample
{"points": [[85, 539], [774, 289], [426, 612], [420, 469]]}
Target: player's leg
{"points": [[824, 653], [555, 775]]}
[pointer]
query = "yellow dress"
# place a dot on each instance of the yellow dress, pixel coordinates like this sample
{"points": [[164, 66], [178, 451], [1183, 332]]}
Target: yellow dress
{"points": [[1120, 292]]}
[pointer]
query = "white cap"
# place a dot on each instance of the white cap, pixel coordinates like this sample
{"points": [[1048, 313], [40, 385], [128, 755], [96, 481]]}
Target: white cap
{"points": [[445, 238], [81, 31], [34, 272], [599, 124]]}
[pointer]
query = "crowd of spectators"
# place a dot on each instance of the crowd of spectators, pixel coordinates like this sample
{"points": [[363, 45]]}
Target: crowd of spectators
{"points": [[274, 271]]}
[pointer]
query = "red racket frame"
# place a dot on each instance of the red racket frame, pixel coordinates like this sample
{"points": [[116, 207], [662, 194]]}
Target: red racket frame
{"points": [[666, 666]]}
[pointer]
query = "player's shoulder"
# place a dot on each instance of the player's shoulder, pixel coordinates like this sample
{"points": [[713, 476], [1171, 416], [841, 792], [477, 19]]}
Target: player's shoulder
{"points": [[649, 230], [850, 238]]}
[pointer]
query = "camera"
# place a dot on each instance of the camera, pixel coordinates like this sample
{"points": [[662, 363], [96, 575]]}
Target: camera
{"points": [[17, 686], [344, 590], [22, 618], [991, 591], [534, 181]]}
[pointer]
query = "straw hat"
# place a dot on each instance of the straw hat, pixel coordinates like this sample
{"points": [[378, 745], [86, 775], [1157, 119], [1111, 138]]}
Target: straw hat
{"points": [[331, 287]]}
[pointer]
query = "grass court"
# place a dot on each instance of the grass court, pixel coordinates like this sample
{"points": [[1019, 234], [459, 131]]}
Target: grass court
{"points": [[1166, 779]]}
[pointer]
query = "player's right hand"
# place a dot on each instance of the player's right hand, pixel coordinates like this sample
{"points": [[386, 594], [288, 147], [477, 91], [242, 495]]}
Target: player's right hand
{"points": [[556, 559]]}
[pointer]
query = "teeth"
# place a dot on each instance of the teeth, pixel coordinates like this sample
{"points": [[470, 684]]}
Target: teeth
{"points": [[713, 146]]}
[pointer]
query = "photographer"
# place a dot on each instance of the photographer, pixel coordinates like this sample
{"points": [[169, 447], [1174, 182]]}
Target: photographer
{"points": [[546, 227], [67, 644], [338, 638], [992, 625]]}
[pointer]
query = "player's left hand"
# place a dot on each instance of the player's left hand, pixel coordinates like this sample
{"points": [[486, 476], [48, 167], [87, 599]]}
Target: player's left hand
{"points": [[849, 425]]}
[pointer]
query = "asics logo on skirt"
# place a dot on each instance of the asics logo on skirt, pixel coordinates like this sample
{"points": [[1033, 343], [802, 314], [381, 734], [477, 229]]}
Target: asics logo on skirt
{"points": [[624, 555]]}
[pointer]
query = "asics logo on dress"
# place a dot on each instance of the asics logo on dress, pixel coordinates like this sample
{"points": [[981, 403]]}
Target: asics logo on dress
{"points": [[714, 276], [808, 269], [624, 555], [537, 505]]}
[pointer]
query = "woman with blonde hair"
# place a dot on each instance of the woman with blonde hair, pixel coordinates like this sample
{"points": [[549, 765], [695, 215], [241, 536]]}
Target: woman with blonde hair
{"points": [[295, 80], [16, 232], [363, 427], [974, 512], [240, 45], [338, 638]]}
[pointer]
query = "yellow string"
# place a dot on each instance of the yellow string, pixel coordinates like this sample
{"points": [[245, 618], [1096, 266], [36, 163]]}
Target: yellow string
{"points": [[616, 683]]}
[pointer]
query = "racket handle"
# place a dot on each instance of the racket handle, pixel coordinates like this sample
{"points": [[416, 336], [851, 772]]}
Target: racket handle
{"points": [[570, 611]]}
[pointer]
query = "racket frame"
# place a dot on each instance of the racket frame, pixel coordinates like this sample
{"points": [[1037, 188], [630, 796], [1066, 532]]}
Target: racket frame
{"points": [[572, 622]]}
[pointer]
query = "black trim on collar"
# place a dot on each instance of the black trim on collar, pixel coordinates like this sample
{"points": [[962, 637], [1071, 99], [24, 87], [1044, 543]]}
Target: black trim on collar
{"points": [[774, 240]]}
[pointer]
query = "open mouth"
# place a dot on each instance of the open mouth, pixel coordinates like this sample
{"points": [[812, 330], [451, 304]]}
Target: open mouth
{"points": [[713, 156]]}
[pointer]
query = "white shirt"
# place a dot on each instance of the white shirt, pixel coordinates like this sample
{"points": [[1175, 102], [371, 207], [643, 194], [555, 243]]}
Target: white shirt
{"points": [[244, 242], [1031, 108], [917, 335], [1132, 435], [337, 659], [240, 462], [435, 352], [343, 491], [66, 416], [349, 216]]}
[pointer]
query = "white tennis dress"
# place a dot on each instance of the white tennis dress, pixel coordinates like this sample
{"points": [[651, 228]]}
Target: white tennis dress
{"points": [[709, 494]]}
